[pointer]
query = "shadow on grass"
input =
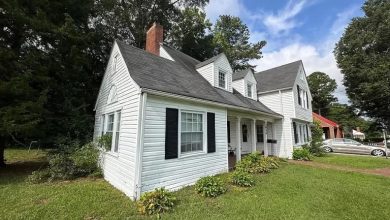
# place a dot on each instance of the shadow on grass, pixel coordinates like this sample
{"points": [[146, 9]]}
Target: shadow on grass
{"points": [[18, 171]]}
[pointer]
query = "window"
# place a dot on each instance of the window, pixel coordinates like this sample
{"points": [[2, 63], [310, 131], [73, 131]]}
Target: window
{"points": [[117, 132], [295, 133], [260, 133], [110, 124], [191, 132], [114, 64], [301, 133], [112, 95], [299, 95], [102, 128], [249, 90], [244, 133], [222, 79]]}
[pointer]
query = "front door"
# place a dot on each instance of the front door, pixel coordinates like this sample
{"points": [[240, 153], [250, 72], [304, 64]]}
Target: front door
{"points": [[245, 138]]}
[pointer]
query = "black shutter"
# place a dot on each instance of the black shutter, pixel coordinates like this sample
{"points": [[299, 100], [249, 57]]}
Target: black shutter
{"points": [[210, 132], [299, 95], [171, 133], [295, 132], [307, 101], [228, 131]]}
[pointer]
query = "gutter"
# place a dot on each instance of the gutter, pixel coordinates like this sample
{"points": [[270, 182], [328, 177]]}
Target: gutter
{"points": [[171, 95]]}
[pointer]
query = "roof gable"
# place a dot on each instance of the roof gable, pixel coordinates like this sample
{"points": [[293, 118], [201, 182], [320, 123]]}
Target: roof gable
{"points": [[281, 77]]}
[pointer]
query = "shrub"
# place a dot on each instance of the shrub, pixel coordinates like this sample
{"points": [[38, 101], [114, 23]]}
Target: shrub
{"points": [[156, 202], [253, 163], [240, 178], [210, 186], [69, 163], [301, 154], [39, 176], [105, 142], [271, 162], [315, 147]]}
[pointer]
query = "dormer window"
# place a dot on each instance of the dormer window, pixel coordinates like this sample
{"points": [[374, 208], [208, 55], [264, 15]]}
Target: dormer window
{"points": [[249, 90], [222, 79]]}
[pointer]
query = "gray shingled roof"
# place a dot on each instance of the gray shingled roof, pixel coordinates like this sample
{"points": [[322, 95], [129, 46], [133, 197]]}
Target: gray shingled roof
{"points": [[240, 74], [212, 59], [280, 77], [176, 77]]}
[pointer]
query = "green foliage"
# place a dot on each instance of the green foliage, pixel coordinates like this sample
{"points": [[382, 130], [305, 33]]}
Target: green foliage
{"points": [[362, 54], [105, 141], [301, 154], [156, 202], [315, 146], [210, 186], [231, 36], [243, 179], [321, 89], [69, 163], [255, 163]]}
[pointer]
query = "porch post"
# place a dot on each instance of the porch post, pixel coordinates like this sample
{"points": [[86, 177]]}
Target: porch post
{"points": [[253, 135], [238, 135], [265, 139]]}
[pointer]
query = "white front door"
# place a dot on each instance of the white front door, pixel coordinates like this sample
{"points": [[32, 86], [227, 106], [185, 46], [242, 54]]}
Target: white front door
{"points": [[245, 137]]}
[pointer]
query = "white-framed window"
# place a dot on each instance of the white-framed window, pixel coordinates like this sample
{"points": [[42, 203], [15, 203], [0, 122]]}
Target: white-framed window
{"points": [[112, 97], [300, 133], [115, 63], [112, 128], [260, 133], [249, 87], [222, 79], [191, 132]]}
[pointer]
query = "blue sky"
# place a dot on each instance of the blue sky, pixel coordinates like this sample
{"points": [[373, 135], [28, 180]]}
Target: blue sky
{"points": [[304, 30]]}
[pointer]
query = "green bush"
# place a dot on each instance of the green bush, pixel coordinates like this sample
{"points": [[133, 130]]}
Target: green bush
{"points": [[156, 202], [210, 186], [243, 179], [315, 147], [255, 163], [301, 154], [69, 163], [39, 176]]}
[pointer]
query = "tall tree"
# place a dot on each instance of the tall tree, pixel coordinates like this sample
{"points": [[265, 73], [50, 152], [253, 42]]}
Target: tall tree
{"points": [[363, 55], [321, 88], [188, 34], [231, 36]]}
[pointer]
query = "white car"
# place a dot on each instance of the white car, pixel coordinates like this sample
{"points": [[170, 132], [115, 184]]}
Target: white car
{"points": [[344, 145]]}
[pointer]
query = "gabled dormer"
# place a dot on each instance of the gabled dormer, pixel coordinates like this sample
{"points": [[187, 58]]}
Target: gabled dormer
{"points": [[217, 71], [245, 83]]}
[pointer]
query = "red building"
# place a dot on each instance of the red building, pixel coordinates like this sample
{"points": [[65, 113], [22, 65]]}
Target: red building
{"points": [[331, 128]]}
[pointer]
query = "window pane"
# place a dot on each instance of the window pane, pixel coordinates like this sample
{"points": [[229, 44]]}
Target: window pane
{"points": [[191, 132], [110, 124]]}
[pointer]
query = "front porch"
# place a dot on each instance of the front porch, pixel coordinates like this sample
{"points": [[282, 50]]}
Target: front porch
{"points": [[249, 133]]}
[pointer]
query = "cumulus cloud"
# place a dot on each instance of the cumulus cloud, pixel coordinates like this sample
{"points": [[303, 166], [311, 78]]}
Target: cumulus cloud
{"points": [[284, 20], [226, 7]]}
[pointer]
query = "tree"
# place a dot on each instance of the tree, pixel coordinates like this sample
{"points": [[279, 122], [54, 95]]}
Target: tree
{"points": [[188, 34], [316, 140], [363, 55], [321, 88], [231, 36]]}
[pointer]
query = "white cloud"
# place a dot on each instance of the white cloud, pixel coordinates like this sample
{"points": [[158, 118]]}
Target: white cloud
{"points": [[225, 7], [283, 20]]}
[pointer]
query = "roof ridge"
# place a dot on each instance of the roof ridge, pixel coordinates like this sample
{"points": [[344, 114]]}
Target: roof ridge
{"points": [[170, 47], [278, 66]]}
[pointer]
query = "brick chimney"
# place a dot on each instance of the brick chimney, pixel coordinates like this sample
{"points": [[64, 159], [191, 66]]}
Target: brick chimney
{"points": [[154, 37]]}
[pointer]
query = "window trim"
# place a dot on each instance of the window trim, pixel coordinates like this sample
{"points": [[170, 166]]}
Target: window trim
{"points": [[225, 76], [106, 114], [251, 90], [204, 132]]}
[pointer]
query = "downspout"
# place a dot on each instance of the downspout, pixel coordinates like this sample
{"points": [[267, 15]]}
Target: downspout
{"points": [[140, 146]]}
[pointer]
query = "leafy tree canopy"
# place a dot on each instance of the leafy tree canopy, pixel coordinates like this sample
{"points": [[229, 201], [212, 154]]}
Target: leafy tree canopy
{"points": [[363, 55], [231, 36], [321, 88]]}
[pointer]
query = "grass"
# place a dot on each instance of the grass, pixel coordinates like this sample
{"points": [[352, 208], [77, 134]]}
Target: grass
{"points": [[353, 161], [291, 192]]}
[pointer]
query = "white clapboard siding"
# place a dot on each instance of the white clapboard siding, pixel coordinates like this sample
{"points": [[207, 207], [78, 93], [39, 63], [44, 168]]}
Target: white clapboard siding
{"points": [[300, 112], [249, 78], [182, 171], [283, 103], [223, 64], [207, 72], [239, 85], [165, 54], [119, 168]]}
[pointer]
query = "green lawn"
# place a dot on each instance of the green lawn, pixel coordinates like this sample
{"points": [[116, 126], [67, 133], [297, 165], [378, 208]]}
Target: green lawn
{"points": [[354, 161], [291, 192]]}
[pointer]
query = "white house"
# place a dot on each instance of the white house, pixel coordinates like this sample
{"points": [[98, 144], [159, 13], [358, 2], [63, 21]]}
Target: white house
{"points": [[285, 90], [173, 119]]}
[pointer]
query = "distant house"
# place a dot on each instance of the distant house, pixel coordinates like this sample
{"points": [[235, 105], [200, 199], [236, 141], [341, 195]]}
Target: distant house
{"points": [[173, 119], [357, 134], [331, 129]]}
